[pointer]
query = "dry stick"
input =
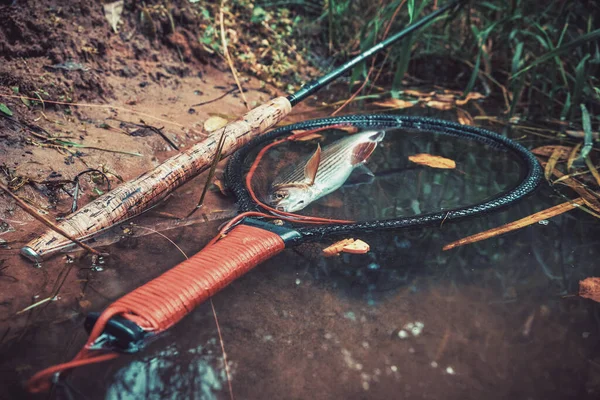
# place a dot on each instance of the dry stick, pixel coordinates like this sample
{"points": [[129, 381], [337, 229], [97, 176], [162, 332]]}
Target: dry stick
{"points": [[229, 61], [211, 173], [521, 223], [31, 211]]}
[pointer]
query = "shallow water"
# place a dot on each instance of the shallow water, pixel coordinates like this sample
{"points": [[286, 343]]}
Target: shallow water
{"points": [[489, 320]]}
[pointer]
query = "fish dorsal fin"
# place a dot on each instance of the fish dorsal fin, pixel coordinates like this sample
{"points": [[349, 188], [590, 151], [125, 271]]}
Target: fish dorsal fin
{"points": [[312, 166]]}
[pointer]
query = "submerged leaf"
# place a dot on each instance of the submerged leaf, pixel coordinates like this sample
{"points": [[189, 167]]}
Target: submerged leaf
{"points": [[394, 103], [112, 12], [589, 288], [440, 105], [433, 161]]}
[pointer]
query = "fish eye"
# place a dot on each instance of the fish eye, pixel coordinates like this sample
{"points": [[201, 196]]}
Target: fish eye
{"points": [[279, 196]]}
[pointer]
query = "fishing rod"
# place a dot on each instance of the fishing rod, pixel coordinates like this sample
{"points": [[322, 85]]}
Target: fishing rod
{"points": [[134, 197]]}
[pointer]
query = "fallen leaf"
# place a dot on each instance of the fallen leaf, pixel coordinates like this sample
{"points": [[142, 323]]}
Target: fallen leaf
{"points": [[547, 151], [214, 123], [446, 98], [416, 93], [464, 118], [221, 186], [112, 12], [395, 103], [589, 288], [581, 134], [470, 96], [352, 246], [433, 161], [440, 105], [357, 247], [551, 163], [308, 137], [4, 109], [572, 156]]}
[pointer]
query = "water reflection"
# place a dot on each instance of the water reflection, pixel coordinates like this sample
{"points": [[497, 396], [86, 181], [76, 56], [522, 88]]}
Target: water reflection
{"points": [[171, 374]]}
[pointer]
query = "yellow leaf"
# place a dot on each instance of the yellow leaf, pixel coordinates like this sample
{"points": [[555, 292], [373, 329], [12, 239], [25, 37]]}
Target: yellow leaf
{"points": [[214, 123], [352, 246], [470, 96], [464, 118], [433, 161], [547, 151], [394, 103], [440, 105], [590, 289]]}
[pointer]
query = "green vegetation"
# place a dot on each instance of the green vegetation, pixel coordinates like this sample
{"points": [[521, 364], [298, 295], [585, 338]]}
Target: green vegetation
{"points": [[539, 59]]}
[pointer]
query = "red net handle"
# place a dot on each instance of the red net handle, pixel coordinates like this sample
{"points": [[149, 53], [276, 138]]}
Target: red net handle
{"points": [[165, 300]]}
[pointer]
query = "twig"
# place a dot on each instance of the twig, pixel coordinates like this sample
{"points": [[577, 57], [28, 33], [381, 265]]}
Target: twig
{"points": [[229, 61], [31, 211], [211, 173], [215, 99], [521, 223]]}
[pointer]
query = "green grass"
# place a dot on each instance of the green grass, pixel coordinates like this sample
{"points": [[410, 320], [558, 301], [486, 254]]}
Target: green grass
{"points": [[545, 54]]}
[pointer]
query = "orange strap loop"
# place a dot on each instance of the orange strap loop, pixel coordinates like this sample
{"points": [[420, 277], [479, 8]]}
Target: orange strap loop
{"points": [[165, 300]]}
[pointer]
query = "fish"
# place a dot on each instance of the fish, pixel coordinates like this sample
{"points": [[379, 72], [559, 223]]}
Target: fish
{"points": [[323, 172]]}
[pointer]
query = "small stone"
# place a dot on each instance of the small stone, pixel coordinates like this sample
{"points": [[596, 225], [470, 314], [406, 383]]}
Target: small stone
{"points": [[450, 371], [434, 364], [402, 334], [394, 368], [298, 281], [365, 385]]}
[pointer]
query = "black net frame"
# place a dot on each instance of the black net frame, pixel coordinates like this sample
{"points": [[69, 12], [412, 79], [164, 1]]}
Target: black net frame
{"points": [[234, 172]]}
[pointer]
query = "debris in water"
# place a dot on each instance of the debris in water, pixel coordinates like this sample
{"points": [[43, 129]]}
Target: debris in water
{"points": [[589, 288], [433, 161], [352, 246]]}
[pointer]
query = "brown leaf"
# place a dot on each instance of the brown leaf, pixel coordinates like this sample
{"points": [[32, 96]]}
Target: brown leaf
{"points": [[221, 186], [573, 156], [464, 118], [417, 93], [470, 96], [433, 161], [440, 105], [311, 136], [551, 163], [547, 151], [589, 288], [446, 98], [395, 103], [352, 246]]}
